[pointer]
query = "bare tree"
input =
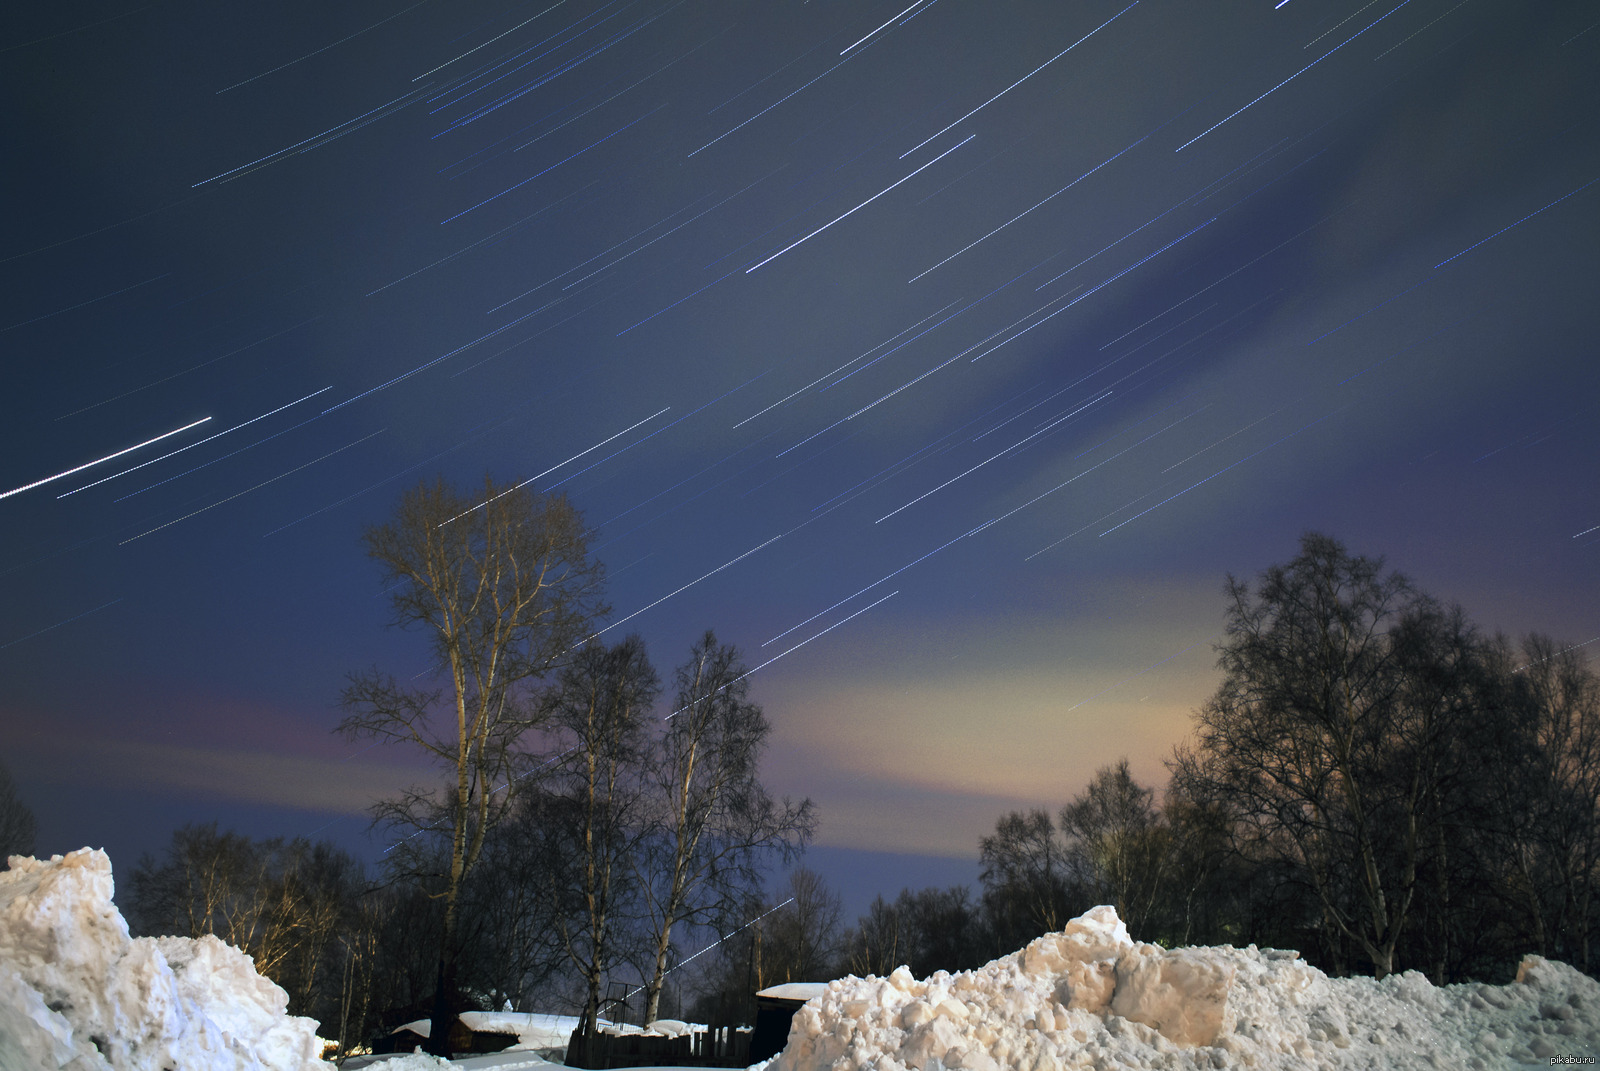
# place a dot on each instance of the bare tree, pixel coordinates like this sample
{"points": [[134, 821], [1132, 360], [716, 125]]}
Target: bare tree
{"points": [[878, 943], [1547, 829], [224, 884], [511, 941], [714, 821], [1119, 843], [286, 903], [17, 825], [503, 586], [599, 710], [1326, 738], [927, 930], [800, 940], [1028, 888]]}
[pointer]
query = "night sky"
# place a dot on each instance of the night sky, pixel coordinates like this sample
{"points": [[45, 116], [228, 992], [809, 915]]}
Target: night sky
{"points": [[947, 355]]}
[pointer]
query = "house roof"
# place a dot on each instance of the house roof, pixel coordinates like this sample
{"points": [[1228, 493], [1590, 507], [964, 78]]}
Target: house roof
{"points": [[801, 991]]}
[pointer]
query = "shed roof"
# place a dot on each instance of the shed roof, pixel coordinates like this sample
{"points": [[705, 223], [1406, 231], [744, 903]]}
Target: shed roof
{"points": [[801, 991]]}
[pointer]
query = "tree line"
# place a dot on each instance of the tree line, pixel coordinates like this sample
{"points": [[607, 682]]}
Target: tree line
{"points": [[1375, 783], [581, 834]]}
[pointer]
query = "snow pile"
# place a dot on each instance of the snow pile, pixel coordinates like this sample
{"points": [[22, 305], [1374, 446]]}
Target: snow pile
{"points": [[1090, 997], [77, 992]]}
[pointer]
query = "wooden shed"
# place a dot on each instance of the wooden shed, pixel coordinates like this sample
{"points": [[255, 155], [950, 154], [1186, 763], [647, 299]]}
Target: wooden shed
{"points": [[467, 1035], [775, 1008]]}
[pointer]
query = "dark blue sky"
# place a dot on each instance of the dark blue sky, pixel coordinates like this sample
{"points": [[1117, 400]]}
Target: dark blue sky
{"points": [[968, 344]]}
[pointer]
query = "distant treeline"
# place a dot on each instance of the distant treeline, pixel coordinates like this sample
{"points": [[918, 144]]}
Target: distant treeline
{"points": [[1374, 783]]}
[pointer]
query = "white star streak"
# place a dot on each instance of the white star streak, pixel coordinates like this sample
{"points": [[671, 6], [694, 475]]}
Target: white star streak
{"points": [[324, 48], [1293, 76], [562, 464], [842, 367], [1092, 290], [824, 632], [191, 446], [880, 29], [863, 204], [1518, 223], [1220, 471], [491, 41], [555, 165], [1341, 22], [1408, 37], [1001, 454], [1025, 77], [881, 580], [333, 133], [247, 490], [769, 107], [102, 460], [1073, 479], [58, 624], [1019, 215], [692, 583], [81, 304]]}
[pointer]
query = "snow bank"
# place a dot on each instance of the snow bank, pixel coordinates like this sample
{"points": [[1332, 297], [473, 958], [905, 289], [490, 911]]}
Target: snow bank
{"points": [[77, 992], [1090, 997]]}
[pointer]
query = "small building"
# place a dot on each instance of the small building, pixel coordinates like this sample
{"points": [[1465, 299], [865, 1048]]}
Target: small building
{"points": [[471, 1032], [775, 1008]]}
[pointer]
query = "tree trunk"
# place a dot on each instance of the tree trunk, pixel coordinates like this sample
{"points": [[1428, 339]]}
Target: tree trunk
{"points": [[443, 1018], [652, 992]]}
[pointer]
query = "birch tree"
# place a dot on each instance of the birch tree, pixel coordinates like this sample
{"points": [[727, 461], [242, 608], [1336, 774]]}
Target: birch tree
{"points": [[598, 714], [714, 822], [502, 586], [1119, 843], [1028, 887], [1341, 689]]}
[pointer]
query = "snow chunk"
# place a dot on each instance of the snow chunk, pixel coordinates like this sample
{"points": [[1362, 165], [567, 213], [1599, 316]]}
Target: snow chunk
{"points": [[1090, 997], [1183, 993], [77, 992]]}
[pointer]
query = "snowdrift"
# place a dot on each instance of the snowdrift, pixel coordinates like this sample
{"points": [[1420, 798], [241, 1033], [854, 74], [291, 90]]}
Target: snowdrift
{"points": [[77, 992], [1090, 997]]}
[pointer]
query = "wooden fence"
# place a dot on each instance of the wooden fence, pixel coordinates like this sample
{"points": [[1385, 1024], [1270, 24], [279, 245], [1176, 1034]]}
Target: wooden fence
{"points": [[720, 1046]]}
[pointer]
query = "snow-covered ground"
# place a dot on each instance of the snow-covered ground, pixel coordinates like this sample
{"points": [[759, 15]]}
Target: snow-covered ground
{"points": [[76, 992]]}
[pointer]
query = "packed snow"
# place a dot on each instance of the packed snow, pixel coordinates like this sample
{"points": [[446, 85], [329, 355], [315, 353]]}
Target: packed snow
{"points": [[1090, 997], [77, 992]]}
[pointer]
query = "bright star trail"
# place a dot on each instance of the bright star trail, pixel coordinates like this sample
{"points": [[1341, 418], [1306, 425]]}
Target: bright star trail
{"points": [[859, 207], [103, 460], [1044, 317]]}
